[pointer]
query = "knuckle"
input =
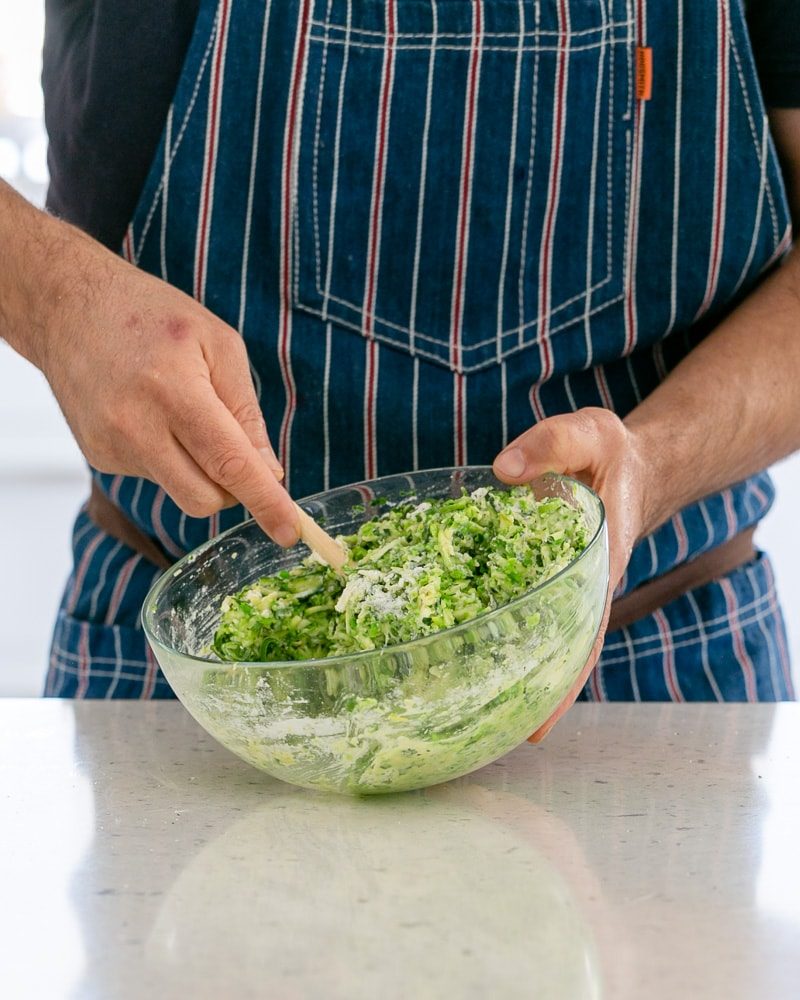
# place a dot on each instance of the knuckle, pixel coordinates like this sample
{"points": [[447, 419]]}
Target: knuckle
{"points": [[228, 468], [271, 505], [199, 504], [548, 438], [600, 421], [248, 413], [228, 346]]}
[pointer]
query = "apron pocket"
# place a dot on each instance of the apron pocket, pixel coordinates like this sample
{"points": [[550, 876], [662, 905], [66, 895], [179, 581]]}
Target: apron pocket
{"points": [[90, 659], [460, 172]]}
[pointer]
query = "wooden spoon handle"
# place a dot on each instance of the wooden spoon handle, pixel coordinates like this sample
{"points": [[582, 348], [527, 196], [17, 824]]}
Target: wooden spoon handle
{"points": [[319, 541]]}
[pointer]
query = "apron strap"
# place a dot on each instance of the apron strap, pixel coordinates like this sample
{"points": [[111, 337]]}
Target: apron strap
{"points": [[711, 565], [110, 519]]}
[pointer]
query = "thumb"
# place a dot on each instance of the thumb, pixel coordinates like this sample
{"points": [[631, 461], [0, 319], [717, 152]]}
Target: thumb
{"points": [[568, 444]]}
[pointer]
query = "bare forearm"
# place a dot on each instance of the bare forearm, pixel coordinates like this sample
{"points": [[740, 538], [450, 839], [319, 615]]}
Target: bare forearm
{"points": [[151, 383], [731, 408], [40, 259]]}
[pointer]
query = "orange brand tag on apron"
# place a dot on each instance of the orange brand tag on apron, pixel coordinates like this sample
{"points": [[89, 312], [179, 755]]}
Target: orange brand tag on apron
{"points": [[644, 73]]}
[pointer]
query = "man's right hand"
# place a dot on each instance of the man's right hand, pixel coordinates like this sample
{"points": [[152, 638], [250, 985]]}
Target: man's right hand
{"points": [[151, 383]]}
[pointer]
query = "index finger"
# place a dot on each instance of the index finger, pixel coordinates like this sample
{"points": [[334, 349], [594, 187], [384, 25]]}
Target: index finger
{"points": [[210, 433]]}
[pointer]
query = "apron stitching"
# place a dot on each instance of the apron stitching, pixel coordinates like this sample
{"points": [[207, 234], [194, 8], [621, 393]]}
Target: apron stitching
{"points": [[421, 352], [591, 212], [417, 334], [763, 159], [335, 179], [423, 180], [409, 331], [559, 128], [610, 156], [461, 262], [534, 124], [630, 24], [165, 199], [501, 283], [631, 313], [676, 177], [206, 202], [256, 134], [179, 138], [374, 240], [292, 131], [734, 46], [329, 25], [315, 166], [587, 47]]}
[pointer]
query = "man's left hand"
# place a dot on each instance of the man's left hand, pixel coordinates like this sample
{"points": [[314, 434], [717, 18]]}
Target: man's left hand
{"points": [[594, 446]]}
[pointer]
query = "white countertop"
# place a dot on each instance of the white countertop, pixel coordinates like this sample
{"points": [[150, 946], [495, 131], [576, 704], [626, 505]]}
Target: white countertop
{"points": [[641, 852]]}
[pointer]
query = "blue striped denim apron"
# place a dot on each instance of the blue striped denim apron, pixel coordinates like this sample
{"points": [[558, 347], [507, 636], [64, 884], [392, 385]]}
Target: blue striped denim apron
{"points": [[435, 222]]}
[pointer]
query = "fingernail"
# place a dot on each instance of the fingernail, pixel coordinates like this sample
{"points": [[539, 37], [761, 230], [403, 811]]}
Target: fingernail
{"points": [[510, 463], [271, 459], [285, 535]]}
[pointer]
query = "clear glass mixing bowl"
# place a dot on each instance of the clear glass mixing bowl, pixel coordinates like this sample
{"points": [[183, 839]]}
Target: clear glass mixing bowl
{"points": [[391, 719]]}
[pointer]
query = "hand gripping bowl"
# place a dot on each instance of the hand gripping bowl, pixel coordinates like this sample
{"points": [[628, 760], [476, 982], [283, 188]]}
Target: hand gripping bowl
{"points": [[390, 719]]}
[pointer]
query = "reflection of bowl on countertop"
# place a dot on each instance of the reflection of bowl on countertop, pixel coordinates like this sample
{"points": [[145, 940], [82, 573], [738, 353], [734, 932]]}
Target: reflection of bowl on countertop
{"points": [[388, 719], [341, 898]]}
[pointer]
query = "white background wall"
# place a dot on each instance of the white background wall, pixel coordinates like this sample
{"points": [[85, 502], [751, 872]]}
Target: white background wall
{"points": [[42, 476]]}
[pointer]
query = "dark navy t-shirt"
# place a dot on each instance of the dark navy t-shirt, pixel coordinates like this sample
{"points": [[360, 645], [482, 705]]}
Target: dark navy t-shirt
{"points": [[111, 66]]}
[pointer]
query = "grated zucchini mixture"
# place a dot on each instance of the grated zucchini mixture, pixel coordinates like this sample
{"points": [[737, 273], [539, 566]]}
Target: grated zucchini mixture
{"points": [[414, 570]]}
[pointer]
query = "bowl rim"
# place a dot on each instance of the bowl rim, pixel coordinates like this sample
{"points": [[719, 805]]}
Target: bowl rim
{"points": [[354, 658]]}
